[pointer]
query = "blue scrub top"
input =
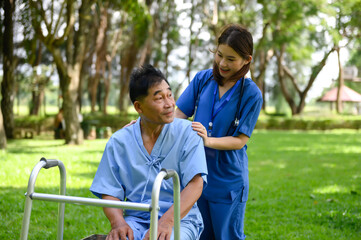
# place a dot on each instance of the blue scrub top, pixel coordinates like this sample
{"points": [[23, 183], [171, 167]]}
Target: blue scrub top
{"points": [[127, 170], [228, 170]]}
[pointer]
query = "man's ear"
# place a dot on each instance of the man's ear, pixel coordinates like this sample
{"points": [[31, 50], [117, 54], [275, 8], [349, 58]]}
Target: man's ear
{"points": [[138, 107]]}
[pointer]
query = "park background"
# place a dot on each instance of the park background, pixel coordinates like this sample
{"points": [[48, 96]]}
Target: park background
{"points": [[78, 55]]}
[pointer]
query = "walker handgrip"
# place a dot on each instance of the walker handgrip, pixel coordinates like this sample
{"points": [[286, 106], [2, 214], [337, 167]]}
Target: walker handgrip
{"points": [[50, 162], [169, 173]]}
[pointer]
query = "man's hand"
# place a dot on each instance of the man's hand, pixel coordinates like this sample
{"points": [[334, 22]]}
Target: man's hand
{"points": [[189, 196], [121, 231], [120, 228], [165, 227]]}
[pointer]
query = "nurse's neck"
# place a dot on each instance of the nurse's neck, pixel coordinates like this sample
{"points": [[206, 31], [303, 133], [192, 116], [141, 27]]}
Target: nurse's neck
{"points": [[150, 133], [226, 86]]}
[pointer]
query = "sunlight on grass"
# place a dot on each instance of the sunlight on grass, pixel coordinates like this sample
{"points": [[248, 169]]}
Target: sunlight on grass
{"points": [[280, 165], [329, 165], [295, 148], [331, 189], [350, 149]]}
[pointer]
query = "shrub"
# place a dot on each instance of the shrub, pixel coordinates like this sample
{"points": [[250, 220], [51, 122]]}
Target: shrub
{"points": [[309, 123]]}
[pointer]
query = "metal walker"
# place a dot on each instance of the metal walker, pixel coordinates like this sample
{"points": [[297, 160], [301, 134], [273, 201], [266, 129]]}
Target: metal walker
{"points": [[153, 208]]}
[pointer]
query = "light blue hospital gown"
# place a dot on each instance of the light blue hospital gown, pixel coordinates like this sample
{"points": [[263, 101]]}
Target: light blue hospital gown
{"points": [[127, 171]]}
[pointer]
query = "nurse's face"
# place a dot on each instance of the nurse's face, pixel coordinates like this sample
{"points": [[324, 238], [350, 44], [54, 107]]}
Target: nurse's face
{"points": [[228, 61], [158, 106]]}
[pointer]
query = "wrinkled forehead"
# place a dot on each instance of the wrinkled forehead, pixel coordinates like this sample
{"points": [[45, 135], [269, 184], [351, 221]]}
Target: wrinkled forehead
{"points": [[159, 87]]}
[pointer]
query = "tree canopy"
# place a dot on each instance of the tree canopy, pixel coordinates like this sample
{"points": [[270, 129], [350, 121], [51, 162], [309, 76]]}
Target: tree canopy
{"points": [[92, 46]]}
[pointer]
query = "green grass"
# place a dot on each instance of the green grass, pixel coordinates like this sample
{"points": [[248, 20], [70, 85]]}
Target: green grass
{"points": [[304, 185], [81, 163]]}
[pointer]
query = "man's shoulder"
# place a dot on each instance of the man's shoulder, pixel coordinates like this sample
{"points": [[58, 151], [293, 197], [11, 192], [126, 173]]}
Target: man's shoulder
{"points": [[182, 129], [181, 123], [123, 134]]}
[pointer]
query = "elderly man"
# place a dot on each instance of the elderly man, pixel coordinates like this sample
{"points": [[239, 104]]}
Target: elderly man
{"points": [[135, 154]]}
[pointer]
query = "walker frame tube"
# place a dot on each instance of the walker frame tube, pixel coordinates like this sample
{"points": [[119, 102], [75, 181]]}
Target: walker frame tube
{"points": [[165, 174], [153, 208]]}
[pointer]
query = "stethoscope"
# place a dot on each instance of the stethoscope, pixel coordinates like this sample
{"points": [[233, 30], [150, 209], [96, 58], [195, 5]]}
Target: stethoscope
{"points": [[235, 122]]}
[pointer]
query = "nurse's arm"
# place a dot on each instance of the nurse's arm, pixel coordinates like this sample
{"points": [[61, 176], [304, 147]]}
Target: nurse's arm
{"points": [[120, 228], [226, 143], [180, 114], [220, 143], [188, 197]]}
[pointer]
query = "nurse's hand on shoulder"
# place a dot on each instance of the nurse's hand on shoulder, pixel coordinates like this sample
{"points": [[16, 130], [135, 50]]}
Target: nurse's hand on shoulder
{"points": [[202, 131], [122, 231]]}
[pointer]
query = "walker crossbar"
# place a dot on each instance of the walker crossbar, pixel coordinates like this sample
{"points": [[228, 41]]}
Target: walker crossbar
{"points": [[153, 208], [90, 201]]}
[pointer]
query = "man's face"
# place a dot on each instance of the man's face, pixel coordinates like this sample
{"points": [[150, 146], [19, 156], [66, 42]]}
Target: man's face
{"points": [[158, 106]]}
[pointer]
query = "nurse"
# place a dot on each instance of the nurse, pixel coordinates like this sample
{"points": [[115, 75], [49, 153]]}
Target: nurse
{"points": [[225, 105]]}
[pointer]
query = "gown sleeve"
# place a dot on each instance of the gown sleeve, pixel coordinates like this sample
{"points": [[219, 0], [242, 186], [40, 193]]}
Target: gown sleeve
{"points": [[107, 180], [193, 159]]}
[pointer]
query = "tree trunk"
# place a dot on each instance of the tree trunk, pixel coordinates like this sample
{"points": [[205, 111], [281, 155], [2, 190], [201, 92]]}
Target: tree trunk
{"points": [[37, 86], [8, 83], [281, 78], [71, 78], [37, 99], [190, 46], [86, 74], [73, 131], [128, 60], [100, 50], [283, 69], [68, 70], [263, 59], [109, 58], [339, 106], [106, 91], [2, 133], [124, 81], [262, 56]]}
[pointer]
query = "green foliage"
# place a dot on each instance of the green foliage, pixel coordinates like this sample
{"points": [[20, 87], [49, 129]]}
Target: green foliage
{"points": [[116, 121], [308, 123], [300, 52], [138, 19], [355, 58], [304, 27], [303, 186], [281, 120], [34, 122], [354, 85]]}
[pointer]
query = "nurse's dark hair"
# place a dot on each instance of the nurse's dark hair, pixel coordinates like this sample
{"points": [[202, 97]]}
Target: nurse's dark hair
{"points": [[241, 41], [142, 79]]}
